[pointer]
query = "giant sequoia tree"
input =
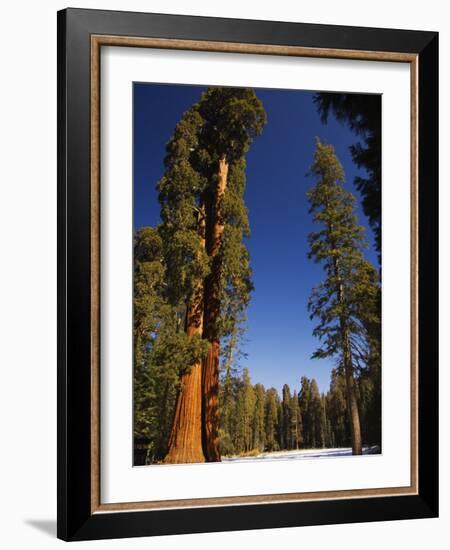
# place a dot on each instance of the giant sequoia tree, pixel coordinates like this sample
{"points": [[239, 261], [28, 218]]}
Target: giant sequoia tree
{"points": [[204, 221], [345, 302]]}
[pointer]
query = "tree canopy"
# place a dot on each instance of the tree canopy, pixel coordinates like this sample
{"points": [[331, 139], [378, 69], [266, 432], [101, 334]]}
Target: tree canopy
{"points": [[345, 302], [362, 113]]}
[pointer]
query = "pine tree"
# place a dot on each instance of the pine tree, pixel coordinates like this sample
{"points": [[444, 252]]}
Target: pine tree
{"points": [[370, 382], [369, 385], [259, 435], [245, 413], [315, 416], [148, 280], [343, 302], [149, 310], [325, 421], [285, 421], [337, 411], [295, 423], [272, 420], [304, 399], [228, 395], [362, 113]]}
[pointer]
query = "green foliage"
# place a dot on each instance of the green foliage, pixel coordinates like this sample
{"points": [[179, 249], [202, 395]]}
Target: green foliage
{"points": [[348, 295], [325, 421], [228, 398], [337, 411], [362, 113], [171, 263], [259, 435], [312, 414], [221, 125], [304, 402], [162, 350], [245, 412], [255, 420], [317, 428], [285, 419], [273, 410], [149, 309], [295, 423], [347, 303], [235, 274], [291, 426], [370, 386], [232, 117], [179, 190]]}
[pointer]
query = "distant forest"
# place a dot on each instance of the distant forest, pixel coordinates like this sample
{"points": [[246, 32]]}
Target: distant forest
{"points": [[254, 419], [193, 283]]}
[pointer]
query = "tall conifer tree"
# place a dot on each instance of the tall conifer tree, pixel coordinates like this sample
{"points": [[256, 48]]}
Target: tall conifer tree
{"points": [[315, 415], [272, 420], [259, 437], [183, 235], [285, 423], [304, 399], [362, 113], [295, 423], [337, 411], [204, 223], [343, 302]]}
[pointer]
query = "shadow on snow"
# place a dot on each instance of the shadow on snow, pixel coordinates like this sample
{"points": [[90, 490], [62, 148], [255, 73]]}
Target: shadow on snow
{"points": [[303, 454]]}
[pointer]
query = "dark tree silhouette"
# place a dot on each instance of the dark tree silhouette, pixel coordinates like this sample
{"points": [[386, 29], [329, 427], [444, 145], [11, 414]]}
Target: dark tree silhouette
{"points": [[362, 113]]}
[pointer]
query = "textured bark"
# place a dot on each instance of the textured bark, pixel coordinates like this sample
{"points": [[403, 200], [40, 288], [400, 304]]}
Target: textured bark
{"points": [[352, 402], [210, 376], [185, 441], [210, 384]]}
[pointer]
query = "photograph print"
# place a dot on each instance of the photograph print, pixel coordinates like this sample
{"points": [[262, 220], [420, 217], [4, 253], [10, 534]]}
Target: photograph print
{"points": [[256, 274]]}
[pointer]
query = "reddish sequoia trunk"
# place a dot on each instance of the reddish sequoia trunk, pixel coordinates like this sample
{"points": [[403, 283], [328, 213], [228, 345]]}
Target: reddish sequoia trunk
{"points": [[210, 375], [185, 441], [210, 392]]}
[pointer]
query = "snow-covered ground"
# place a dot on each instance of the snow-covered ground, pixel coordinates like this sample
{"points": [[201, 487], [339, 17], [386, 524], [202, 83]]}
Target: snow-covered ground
{"points": [[302, 454]]}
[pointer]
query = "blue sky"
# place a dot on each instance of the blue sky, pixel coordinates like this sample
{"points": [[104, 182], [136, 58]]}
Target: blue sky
{"points": [[278, 340]]}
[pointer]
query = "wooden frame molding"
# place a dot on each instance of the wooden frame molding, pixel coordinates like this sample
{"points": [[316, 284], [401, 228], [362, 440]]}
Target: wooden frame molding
{"points": [[96, 42]]}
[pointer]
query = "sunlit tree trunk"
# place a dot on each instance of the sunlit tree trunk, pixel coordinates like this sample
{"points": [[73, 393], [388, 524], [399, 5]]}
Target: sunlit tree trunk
{"points": [[210, 375], [185, 441]]}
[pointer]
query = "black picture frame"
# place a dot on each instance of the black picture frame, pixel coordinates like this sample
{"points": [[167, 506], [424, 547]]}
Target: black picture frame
{"points": [[75, 519]]}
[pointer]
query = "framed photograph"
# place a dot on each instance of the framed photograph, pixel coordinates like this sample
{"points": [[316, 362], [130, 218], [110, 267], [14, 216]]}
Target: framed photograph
{"points": [[247, 252]]}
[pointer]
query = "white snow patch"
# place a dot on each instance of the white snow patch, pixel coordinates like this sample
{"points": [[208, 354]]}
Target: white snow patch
{"points": [[302, 454]]}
